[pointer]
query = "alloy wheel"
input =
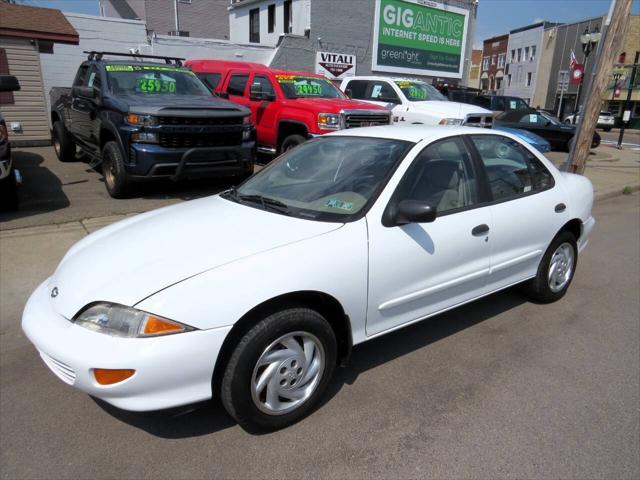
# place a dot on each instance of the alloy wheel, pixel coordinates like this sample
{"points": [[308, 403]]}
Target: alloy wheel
{"points": [[561, 267]]}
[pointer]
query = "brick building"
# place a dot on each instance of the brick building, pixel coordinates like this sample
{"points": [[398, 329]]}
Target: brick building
{"points": [[494, 61]]}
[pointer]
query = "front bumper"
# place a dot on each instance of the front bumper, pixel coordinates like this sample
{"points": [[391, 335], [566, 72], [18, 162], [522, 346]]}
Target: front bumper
{"points": [[170, 371], [587, 228]]}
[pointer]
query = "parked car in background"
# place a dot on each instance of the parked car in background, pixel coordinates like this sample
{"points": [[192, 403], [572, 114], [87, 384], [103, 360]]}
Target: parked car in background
{"points": [[256, 294], [606, 120], [560, 135], [287, 107], [146, 120], [9, 175], [414, 102], [500, 103], [536, 141]]}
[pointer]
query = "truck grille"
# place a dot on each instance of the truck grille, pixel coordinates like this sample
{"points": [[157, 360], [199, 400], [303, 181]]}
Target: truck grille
{"points": [[478, 120], [215, 121], [192, 140], [354, 120]]}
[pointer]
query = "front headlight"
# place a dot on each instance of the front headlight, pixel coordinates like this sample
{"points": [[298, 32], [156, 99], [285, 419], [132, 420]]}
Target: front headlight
{"points": [[450, 121], [247, 126], [329, 121], [145, 137], [141, 120], [120, 321]]}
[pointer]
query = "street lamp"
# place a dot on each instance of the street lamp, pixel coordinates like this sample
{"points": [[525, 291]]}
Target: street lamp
{"points": [[588, 41], [616, 77]]}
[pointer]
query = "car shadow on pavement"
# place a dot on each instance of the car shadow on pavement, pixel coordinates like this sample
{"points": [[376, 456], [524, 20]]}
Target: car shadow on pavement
{"points": [[209, 417], [41, 189]]}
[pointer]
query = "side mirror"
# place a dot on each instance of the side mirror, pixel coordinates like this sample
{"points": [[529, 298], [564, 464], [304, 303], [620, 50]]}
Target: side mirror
{"points": [[84, 92], [255, 92], [9, 83], [409, 211], [349, 93]]}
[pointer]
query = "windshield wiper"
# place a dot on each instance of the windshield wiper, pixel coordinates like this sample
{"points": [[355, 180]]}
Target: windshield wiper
{"points": [[266, 202]]}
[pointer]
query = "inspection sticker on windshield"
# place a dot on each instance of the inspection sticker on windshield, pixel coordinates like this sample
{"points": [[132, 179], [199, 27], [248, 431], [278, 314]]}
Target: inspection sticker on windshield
{"points": [[334, 203]]}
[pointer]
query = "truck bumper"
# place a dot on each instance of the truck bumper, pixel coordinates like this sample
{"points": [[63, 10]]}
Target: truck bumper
{"points": [[149, 161]]}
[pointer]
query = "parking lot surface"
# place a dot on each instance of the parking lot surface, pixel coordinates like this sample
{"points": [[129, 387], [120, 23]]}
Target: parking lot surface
{"points": [[501, 388]]}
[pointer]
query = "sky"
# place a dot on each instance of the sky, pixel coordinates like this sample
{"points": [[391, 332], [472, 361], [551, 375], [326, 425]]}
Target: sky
{"points": [[494, 16]]}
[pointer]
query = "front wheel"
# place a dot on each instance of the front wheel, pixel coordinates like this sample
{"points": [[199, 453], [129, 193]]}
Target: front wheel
{"points": [[555, 271], [279, 369], [292, 141], [113, 170]]}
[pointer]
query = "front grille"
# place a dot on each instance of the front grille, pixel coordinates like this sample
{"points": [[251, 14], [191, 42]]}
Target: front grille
{"points": [[193, 140], [365, 120], [475, 120], [215, 121], [63, 371]]}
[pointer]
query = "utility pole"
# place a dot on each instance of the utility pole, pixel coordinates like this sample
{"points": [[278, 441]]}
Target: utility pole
{"points": [[632, 82], [603, 65]]}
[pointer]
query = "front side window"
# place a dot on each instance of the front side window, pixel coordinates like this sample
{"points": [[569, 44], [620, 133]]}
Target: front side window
{"points": [[301, 86], [265, 83], [442, 175], [511, 169], [420, 91], [327, 179], [153, 80], [237, 84]]}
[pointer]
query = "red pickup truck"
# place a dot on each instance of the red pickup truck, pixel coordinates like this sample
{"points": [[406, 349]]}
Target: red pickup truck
{"points": [[286, 107]]}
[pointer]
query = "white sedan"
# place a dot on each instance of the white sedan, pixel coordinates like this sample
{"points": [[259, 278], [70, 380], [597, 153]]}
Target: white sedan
{"points": [[256, 294]]}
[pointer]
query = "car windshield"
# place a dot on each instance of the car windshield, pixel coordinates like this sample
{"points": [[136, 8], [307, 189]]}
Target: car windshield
{"points": [[300, 86], [153, 80], [420, 91], [328, 179]]}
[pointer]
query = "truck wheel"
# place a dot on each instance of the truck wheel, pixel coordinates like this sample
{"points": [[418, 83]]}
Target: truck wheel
{"points": [[9, 192], [63, 144], [115, 175], [292, 141]]}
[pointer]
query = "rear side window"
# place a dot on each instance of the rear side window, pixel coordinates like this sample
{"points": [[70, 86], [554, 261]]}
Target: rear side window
{"points": [[357, 89], [211, 80], [511, 169], [237, 84]]}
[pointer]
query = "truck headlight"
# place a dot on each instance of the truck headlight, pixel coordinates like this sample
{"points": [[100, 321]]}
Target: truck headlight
{"points": [[329, 121], [141, 120], [144, 137], [120, 321], [247, 126], [450, 121]]}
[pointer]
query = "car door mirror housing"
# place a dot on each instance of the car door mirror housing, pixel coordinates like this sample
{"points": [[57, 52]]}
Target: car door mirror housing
{"points": [[84, 92], [409, 211]]}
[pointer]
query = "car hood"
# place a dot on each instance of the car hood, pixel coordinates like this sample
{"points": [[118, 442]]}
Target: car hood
{"points": [[181, 105], [333, 105], [449, 109], [130, 260]]}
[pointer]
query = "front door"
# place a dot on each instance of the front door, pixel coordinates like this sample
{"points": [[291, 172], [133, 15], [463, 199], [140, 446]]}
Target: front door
{"points": [[417, 270], [263, 112]]}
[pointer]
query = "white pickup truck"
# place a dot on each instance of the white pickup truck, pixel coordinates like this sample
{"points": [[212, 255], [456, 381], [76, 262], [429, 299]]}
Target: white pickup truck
{"points": [[415, 102]]}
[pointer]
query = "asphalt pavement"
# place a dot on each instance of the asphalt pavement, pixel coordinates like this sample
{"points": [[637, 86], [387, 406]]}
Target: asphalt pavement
{"points": [[502, 388]]}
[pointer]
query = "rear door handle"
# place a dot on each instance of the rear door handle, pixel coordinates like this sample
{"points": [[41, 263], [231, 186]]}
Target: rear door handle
{"points": [[480, 230], [561, 207]]}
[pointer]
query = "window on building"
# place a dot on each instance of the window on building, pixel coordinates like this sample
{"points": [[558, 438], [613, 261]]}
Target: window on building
{"points": [[493, 59], [485, 63], [509, 80], [519, 57], [614, 108], [526, 53], [533, 53], [271, 18], [529, 78], [502, 60], [513, 56], [498, 83], [254, 25], [5, 97], [288, 17]]}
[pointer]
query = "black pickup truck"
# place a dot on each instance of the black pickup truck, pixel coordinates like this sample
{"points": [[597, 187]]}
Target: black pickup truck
{"points": [[146, 120]]}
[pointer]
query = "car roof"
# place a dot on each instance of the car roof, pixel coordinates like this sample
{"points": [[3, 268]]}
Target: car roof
{"points": [[380, 77], [416, 133], [255, 67]]}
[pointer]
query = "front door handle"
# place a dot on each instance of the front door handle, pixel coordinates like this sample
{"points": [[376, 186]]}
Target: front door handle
{"points": [[561, 207], [480, 230]]}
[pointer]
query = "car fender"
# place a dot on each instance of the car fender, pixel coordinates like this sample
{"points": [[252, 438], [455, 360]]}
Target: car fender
{"points": [[296, 115], [334, 263], [107, 124]]}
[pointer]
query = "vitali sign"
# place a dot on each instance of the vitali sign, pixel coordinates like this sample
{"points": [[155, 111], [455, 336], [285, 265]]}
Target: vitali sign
{"points": [[419, 37], [335, 65]]}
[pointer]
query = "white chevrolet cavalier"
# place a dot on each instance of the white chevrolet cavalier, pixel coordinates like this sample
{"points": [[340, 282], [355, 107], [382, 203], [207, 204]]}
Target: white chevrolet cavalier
{"points": [[254, 295]]}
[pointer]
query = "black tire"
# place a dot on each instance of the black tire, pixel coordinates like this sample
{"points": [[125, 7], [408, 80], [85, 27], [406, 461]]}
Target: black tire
{"points": [[236, 386], [9, 192], [608, 129], [113, 170], [291, 141], [63, 144], [538, 288]]}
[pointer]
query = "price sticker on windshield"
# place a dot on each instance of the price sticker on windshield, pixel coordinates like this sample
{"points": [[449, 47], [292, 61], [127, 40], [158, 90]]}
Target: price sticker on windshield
{"points": [[308, 89], [156, 85]]}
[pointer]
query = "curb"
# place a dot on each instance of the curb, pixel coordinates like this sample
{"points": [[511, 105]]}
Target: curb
{"points": [[615, 191]]}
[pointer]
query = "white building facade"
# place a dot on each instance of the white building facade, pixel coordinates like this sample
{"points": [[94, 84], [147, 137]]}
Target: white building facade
{"points": [[264, 21]]}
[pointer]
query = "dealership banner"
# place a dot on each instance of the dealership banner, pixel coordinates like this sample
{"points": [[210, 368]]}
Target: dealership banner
{"points": [[419, 37], [335, 66]]}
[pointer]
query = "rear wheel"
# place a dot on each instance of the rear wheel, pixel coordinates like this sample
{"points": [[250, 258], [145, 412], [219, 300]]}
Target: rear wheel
{"points": [[292, 141], [115, 175], [63, 144], [279, 369], [9, 192], [555, 271]]}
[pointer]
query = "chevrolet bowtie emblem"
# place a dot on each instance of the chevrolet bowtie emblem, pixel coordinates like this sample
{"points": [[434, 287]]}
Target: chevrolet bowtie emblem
{"points": [[54, 292]]}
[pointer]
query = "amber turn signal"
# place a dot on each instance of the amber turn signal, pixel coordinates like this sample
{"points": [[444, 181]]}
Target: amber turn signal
{"points": [[106, 376], [158, 326]]}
